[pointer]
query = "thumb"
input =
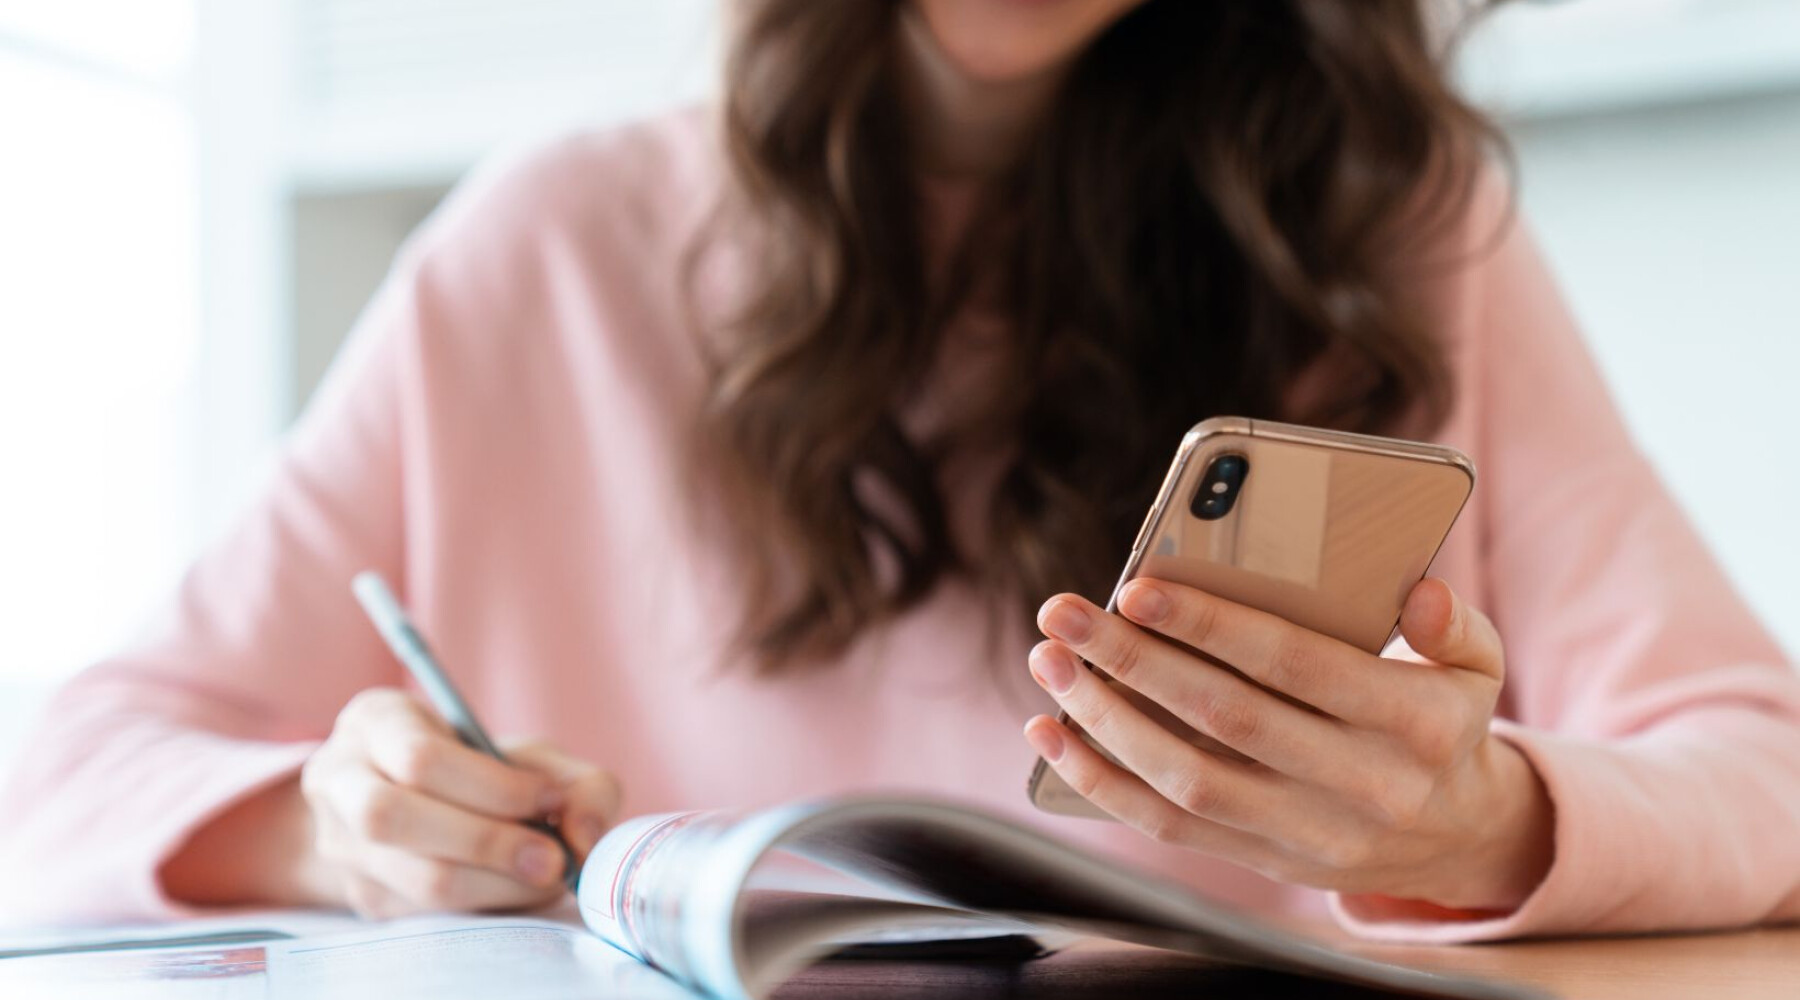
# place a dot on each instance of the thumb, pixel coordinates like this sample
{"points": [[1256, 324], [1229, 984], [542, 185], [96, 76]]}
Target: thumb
{"points": [[1440, 627]]}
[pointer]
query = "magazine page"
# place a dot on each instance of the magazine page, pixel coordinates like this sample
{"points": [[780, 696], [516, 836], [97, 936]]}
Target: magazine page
{"points": [[634, 885], [245, 926], [691, 894], [712, 900], [336, 956], [969, 859], [431, 958]]}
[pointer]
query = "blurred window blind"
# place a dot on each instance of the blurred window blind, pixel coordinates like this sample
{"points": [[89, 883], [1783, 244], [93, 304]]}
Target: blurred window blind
{"points": [[377, 83], [1570, 58], [99, 318], [426, 50]]}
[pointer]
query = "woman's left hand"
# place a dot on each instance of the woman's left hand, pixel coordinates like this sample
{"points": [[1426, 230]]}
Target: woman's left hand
{"points": [[1364, 774]]}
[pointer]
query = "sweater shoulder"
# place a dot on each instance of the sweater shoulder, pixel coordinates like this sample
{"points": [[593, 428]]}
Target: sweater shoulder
{"points": [[639, 190]]}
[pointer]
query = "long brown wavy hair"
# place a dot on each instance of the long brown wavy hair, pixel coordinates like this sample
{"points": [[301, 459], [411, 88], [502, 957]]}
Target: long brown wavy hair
{"points": [[1213, 206]]}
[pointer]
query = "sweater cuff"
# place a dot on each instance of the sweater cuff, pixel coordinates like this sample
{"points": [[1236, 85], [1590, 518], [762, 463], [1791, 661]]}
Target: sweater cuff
{"points": [[1594, 852], [236, 770]]}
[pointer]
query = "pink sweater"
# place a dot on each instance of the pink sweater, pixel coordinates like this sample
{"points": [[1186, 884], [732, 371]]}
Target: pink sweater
{"points": [[501, 438]]}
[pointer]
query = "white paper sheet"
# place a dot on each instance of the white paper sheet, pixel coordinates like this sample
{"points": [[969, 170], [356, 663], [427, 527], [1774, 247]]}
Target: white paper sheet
{"points": [[448, 958], [236, 972], [340, 958]]}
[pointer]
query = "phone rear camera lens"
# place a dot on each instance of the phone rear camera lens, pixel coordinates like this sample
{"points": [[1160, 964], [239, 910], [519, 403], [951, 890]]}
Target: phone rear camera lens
{"points": [[1219, 487]]}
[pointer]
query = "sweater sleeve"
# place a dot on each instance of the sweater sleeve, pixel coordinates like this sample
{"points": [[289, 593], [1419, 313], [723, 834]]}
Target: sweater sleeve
{"points": [[1662, 718]]}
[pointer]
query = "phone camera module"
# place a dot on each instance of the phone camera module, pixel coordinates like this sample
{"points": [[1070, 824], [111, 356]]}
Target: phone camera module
{"points": [[1220, 486]]}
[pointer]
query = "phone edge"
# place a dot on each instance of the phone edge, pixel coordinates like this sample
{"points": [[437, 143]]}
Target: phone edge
{"points": [[1190, 443]]}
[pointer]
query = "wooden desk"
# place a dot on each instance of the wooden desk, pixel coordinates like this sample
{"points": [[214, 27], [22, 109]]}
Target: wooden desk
{"points": [[1747, 965], [1751, 965]]}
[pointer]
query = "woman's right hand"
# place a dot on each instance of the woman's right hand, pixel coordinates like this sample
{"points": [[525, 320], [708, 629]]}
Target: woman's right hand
{"points": [[405, 818]]}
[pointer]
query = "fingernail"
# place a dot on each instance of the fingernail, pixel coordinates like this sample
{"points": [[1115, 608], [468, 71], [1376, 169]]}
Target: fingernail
{"points": [[1066, 621], [535, 862], [551, 800], [1054, 667], [1144, 603], [1046, 740]]}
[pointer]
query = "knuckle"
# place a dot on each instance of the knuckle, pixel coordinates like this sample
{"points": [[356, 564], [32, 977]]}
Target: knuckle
{"points": [[1439, 751], [1406, 717], [380, 815], [1365, 785], [1085, 781], [1102, 717], [438, 883], [1194, 794], [492, 845], [1435, 742], [418, 760], [313, 779], [330, 845], [365, 899], [1401, 803], [1202, 624], [1407, 809], [1163, 826], [1229, 720], [516, 794], [355, 708], [1295, 666], [1124, 655], [329, 838], [364, 703], [1344, 852]]}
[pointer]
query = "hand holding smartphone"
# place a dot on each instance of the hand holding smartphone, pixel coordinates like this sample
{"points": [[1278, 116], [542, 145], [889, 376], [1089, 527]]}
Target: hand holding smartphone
{"points": [[1237, 703], [1327, 530]]}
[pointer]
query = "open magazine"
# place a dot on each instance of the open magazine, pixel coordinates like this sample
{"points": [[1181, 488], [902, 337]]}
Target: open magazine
{"points": [[687, 905], [732, 905]]}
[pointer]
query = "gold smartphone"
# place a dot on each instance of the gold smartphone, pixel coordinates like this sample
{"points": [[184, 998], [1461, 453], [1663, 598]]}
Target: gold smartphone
{"points": [[1327, 529]]}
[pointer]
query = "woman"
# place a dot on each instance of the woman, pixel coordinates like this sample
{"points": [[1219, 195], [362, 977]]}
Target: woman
{"points": [[733, 460]]}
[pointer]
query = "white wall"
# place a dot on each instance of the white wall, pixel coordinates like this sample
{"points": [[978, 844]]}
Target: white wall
{"points": [[342, 244], [1676, 232], [99, 329]]}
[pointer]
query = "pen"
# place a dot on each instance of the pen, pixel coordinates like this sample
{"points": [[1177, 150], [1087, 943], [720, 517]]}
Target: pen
{"points": [[408, 646]]}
